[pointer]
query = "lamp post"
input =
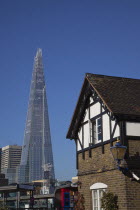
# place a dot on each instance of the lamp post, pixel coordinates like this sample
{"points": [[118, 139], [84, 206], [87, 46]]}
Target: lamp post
{"points": [[118, 151]]}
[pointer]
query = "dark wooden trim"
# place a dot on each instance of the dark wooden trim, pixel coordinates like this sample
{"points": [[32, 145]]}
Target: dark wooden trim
{"points": [[121, 132], [93, 131], [90, 153], [84, 173], [83, 153], [80, 142], [83, 135], [110, 127], [84, 123], [124, 129], [94, 118], [79, 111], [114, 129], [97, 116], [133, 137], [94, 102], [123, 139], [102, 128], [97, 145], [76, 155], [128, 118], [89, 113]]}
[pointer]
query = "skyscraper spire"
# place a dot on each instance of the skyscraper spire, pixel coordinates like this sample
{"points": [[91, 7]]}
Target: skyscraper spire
{"points": [[37, 157], [39, 53]]}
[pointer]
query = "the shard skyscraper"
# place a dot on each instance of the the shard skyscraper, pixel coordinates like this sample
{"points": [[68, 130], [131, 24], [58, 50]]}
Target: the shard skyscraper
{"points": [[37, 157]]}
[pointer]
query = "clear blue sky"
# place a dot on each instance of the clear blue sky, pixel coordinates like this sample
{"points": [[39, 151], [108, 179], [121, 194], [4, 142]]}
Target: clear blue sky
{"points": [[76, 36]]}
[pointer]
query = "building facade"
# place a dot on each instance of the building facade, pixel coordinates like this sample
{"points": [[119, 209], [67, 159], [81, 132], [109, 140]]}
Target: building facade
{"points": [[108, 109], [10, 159], [37, 157]]}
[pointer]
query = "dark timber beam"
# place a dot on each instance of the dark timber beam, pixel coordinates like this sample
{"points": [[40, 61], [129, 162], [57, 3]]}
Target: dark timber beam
{"points": [[112, 133], [101, 127]]}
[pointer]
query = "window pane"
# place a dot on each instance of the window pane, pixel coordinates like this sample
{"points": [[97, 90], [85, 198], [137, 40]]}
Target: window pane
{"points": [[99, 136], [101, 193], [97, 195], [100, 196], [99, 128], [94, 131], [95, 199], [99, 121]]}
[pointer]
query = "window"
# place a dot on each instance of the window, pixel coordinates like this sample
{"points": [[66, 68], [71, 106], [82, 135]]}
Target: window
{"points": [[95, 130], [99, 129], [97, 193]]}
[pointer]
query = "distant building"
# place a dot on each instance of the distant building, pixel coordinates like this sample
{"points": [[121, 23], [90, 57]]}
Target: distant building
{"points": [[10, 159], [3, 180], [37, 157]]}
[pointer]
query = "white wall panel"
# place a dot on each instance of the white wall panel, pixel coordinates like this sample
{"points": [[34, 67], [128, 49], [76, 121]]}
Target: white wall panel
{"points": [[94, 110], [132, 129], [86, 135], [106, 128], [91, 100], [78, 146], [80, 137], [86, 115], [117, 131]]}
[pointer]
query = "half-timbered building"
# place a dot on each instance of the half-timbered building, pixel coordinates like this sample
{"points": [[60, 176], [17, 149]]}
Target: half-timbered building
{"points": [[108, 109]]}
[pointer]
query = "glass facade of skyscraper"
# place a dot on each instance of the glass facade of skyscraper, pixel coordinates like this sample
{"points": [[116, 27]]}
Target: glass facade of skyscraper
{"points": [[37, 157]]}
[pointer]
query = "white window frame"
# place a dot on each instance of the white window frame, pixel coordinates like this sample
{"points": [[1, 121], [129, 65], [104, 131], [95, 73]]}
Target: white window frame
{"points": [[97, 128], [98, 188], [94, 131]]}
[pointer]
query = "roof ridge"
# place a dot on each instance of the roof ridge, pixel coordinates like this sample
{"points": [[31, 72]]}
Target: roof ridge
{"points": [[114, 77]]}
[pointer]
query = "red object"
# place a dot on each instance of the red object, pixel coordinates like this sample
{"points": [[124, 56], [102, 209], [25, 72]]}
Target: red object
{"points": [[63, 190]]}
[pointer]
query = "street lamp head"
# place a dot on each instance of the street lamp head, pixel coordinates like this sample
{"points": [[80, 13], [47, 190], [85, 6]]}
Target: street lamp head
{"points": [[118, 151]]}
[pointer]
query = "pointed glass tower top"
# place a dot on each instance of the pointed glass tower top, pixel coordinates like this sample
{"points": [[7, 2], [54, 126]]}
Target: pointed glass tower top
{"points": [[37, 156]]}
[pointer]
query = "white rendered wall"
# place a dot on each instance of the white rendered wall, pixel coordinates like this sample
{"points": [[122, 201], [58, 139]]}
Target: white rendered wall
{"points": [[86, 115], [94, 110], [80, 137], [86, 135], [132, 129], [91, 100], [106, 128], [117, 131]]}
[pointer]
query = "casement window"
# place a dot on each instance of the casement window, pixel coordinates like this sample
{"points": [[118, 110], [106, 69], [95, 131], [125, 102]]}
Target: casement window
{"points": [[97, 193], [95, 130], [99, 129]]}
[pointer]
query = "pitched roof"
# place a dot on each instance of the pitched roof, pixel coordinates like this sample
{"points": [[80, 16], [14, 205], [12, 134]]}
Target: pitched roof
{"points": [[120, 95]]}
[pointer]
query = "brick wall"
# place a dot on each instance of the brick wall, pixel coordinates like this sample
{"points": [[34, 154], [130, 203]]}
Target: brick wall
{"points": [[102, 168]]}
